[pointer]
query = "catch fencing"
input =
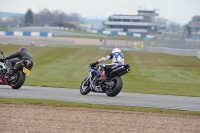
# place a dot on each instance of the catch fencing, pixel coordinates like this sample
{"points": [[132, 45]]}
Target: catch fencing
{"points": [[170, 44], [174, 41]]}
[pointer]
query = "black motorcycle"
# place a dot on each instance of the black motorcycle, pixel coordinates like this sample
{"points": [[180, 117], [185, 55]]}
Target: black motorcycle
{"points": [[111, 85], [17, 79]]}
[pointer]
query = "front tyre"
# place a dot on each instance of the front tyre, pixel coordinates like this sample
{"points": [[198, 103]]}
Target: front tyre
{"points": [[19, 81], [85, 87], [115, 86]]}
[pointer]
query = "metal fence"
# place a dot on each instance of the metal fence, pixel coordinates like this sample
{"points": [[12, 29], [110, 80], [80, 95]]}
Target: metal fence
{"points": [[167, 41], [174, 41], [170, 44], [123, 44]]}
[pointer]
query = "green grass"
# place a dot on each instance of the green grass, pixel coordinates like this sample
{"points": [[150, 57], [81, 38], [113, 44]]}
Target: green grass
{"points": [[153, 73], [104, 36], [55, 103], [74, 46], [118, 37], [4, 29], [78, 31], [86, 34]]}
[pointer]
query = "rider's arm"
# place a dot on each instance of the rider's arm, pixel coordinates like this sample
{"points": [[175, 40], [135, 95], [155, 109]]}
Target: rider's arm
{"points": [[123, 58], [13, 56], [108, 57]]}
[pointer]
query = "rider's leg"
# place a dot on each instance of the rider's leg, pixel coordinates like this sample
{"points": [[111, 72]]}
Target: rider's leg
{"points": [[103, 75], [9, 67], [103, 72], [10, 64], [17, 64]]}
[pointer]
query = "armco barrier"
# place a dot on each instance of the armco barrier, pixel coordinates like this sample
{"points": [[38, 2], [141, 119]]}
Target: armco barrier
{"points": [[172, 51], [26, 33], [121, 33], [198, 54]]}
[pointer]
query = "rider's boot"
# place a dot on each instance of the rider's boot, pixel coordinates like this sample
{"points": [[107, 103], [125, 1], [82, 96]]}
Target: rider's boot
{"points": [[103, 75]]}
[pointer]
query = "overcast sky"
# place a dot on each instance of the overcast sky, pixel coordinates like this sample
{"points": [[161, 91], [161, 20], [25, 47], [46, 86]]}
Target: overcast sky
{"points": [[175, 10]]}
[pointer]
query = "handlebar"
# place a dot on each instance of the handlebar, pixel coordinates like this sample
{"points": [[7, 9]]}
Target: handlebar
{"points": [[96, 65], [2, 54]]}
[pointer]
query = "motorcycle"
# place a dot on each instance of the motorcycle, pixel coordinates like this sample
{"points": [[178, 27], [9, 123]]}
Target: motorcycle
{"points": [[111, 85], [17, 79]]}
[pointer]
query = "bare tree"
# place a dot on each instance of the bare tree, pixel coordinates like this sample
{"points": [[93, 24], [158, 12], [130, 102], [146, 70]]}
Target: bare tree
{"points": [[56, 17], [175, 27], [74, 17]]}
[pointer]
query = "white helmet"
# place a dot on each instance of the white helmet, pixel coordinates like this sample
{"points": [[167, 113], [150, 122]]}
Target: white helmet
{"points": [[115, 50]]}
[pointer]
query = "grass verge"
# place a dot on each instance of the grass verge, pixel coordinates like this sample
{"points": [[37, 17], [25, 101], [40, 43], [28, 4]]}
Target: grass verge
{"points": [[85, 34], [4, 29], [92, 106], [104, 36], [152, 73]]}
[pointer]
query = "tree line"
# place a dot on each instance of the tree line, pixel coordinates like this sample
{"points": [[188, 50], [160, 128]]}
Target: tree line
{"points": [[52, 18], [46, 17]]}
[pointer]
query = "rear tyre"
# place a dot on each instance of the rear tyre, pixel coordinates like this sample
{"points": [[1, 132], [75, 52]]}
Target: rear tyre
{"points": [[85, 87], [19, 81], [115, 87]]}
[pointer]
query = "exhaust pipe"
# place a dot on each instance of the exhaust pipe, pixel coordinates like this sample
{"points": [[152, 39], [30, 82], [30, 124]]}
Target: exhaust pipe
{"points": [[114, 72], [124, 72]]}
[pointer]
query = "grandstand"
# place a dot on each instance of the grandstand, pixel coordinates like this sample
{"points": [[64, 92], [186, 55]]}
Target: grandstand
{"points": [[144, 22]]}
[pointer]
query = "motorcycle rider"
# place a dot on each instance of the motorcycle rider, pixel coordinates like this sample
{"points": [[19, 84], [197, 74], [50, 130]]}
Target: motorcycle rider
{"points": [[22, 55], [117, 59]]}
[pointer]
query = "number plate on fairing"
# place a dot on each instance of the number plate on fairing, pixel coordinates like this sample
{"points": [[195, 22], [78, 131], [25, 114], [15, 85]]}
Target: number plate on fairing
{"points": [[25, 70]]}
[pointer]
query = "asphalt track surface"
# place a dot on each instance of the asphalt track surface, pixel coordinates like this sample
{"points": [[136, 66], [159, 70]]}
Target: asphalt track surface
{"points": [[122, 99]]}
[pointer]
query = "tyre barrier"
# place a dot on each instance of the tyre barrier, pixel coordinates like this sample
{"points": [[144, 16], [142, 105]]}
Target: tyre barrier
{"points": [[121, 33], [26, 33]]}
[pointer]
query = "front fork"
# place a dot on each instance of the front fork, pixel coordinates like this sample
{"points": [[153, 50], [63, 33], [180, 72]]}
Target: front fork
{"points": [[87, 81]]}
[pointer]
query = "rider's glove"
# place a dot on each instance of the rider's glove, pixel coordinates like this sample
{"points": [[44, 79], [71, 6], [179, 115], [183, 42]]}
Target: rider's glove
{"points": [[2, 60], [94, 64]]}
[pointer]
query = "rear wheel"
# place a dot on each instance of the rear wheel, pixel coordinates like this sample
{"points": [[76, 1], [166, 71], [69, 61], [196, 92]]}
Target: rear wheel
{"points": [[19, 81], [114, 86], [85, 87]]}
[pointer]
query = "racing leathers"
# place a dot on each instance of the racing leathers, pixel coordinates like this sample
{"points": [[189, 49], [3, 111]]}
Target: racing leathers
{"points": [[117, 59], [22, 55]]}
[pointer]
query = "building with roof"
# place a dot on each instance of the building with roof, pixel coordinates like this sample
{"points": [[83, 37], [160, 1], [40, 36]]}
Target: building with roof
{"points": [[194, 26], [144, 22]]}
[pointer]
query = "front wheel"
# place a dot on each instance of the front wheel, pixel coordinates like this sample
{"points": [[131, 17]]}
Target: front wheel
{"points": [[85, 87], [114, 87], [19, 81]]}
